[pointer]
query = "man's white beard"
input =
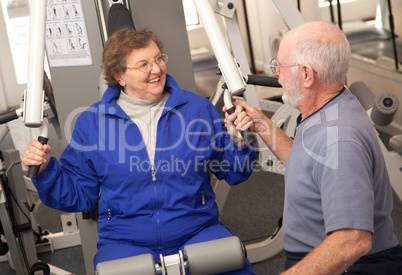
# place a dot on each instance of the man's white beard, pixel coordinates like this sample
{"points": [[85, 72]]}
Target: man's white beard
{"points": [[292, 101], [292, 93]]}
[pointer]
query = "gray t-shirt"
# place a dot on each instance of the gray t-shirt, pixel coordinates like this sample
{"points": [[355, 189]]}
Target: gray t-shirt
{"points": [[336, 178]]}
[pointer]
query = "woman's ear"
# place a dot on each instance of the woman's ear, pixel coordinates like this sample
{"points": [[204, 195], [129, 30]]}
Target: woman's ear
{"points": [[120, 80]]}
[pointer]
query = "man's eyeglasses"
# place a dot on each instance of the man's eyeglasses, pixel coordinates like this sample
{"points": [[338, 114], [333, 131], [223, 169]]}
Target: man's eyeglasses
{"points": [[274, 65], [146, 66]]}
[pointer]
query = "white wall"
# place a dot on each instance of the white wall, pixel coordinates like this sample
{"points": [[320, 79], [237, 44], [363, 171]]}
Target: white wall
{"points": [[267, 27]]}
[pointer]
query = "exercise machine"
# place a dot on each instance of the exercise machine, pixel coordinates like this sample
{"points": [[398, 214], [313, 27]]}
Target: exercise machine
{"points": [[15, 217], [15, 206], [18, 209], [382, 109], [212, 257]]}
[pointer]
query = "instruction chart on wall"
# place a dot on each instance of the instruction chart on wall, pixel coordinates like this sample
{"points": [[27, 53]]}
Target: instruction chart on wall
{"points": [[66, 34]]}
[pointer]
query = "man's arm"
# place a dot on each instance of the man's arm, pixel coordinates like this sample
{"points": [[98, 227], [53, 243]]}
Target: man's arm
{"points": [[335, 254], [277, 141]]}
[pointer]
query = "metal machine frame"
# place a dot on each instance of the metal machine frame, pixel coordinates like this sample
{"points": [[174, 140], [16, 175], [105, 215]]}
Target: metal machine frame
{"points": [[21, 227], [22, 250]]}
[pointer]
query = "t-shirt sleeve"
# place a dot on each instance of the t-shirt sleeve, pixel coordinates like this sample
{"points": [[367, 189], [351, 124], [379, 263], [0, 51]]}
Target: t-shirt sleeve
{"points": [[346, 186]]}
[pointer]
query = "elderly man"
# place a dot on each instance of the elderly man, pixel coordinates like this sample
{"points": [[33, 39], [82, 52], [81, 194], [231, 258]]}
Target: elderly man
{"points": [[338, 196]]}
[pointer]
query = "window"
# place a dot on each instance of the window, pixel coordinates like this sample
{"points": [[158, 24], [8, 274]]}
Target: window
{"points": [[190, 13], [16, 16], [325, 3]]}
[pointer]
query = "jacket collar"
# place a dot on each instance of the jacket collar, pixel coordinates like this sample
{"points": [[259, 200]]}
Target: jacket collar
{"points": [[176, 98]]}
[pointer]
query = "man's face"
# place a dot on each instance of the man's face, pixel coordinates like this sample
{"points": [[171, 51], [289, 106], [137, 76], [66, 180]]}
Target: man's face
{"points": [[288, 76], [292, 91]]}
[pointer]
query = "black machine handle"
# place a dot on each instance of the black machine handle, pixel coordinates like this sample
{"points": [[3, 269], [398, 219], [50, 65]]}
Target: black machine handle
{"points": [[33, 170], [8, 116], [261, 80], [248, 136]]}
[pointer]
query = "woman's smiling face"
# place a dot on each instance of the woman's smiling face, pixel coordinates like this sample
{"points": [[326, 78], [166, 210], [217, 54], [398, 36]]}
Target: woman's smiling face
{"points": [[144, 85]]}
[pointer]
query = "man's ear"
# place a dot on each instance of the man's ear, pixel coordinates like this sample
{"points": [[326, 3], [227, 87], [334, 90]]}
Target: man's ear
{"points": [[309, 76]]}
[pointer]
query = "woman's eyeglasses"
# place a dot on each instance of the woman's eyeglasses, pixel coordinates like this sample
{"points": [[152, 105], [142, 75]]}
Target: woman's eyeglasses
{"points": [[146, 66]]}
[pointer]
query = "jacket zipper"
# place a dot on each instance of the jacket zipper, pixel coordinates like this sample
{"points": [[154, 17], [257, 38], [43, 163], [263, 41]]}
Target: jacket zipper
{"points": [[153, 174], [156, 206], [154, 179]]}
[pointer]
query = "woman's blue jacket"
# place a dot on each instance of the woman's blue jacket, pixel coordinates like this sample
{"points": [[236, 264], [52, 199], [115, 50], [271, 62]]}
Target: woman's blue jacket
{"points": [[154, 206]]}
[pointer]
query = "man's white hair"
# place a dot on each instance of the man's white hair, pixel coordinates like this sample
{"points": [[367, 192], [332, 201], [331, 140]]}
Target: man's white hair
{"points": [[328, 53]]}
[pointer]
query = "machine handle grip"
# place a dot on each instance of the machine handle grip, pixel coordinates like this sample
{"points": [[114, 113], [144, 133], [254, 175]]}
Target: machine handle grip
{"points": [[261, 80], [247, 135], [8, 116], [34, 169]]}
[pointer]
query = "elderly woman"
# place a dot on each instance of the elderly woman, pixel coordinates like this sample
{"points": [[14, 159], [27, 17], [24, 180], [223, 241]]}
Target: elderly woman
{"points": [[146, 150]]}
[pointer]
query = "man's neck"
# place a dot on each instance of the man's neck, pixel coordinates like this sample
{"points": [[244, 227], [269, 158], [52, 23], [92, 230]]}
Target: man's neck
{"points": [[314, 100]]}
